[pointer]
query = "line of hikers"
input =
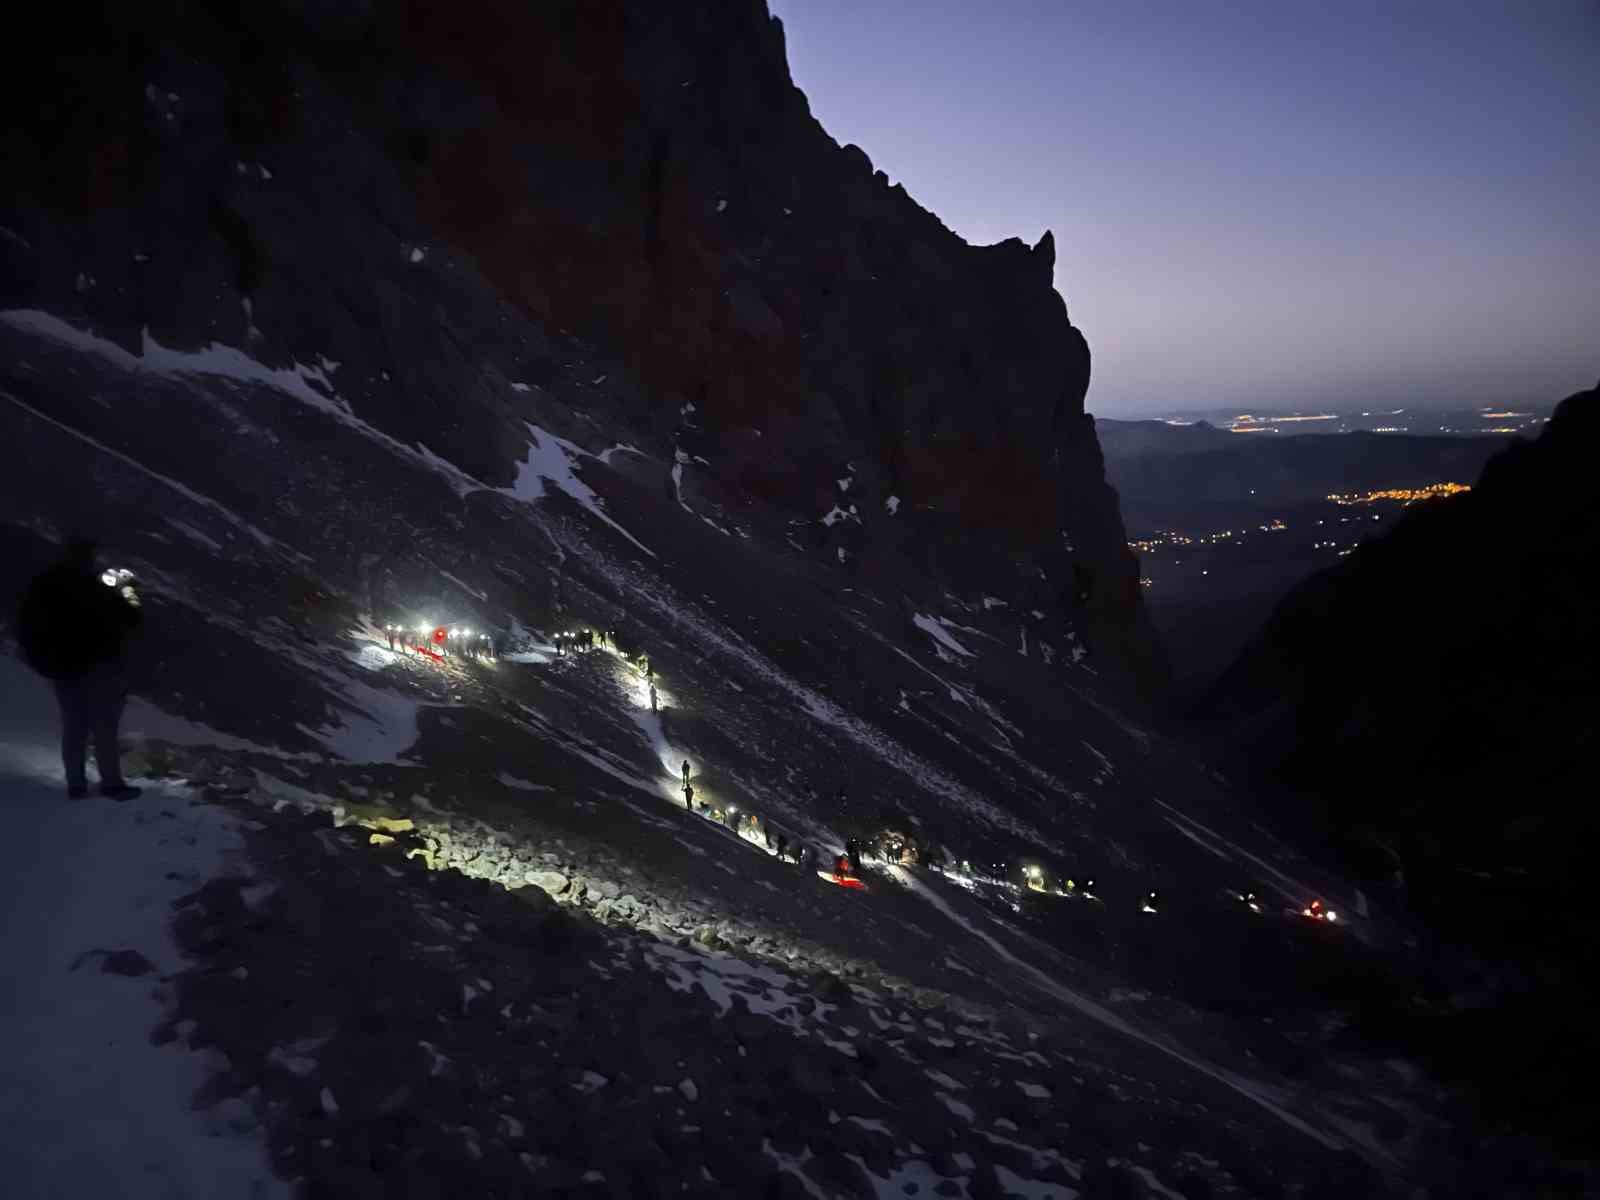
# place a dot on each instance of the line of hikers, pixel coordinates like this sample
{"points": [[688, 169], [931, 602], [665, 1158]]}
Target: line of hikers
{"points": [[846, 866], [443, 642], [585, 639]]}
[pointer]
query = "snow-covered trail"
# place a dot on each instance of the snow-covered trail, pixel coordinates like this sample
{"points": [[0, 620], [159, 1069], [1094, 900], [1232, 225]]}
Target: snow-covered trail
{"points": [[1251, 1091], [88, 1105]]}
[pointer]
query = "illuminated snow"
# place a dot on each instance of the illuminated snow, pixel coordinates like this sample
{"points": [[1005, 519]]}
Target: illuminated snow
{"points": [[376, 726], [90, 1106]]}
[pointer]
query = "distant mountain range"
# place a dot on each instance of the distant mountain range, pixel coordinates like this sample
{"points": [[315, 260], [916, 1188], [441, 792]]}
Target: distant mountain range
{"points": [[1191, 476], [1226, 524], [1520, 418]]}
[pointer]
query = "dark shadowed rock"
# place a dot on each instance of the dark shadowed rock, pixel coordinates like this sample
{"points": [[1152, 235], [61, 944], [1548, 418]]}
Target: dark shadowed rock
{"points": [[1106, 1182], [126, 962]]}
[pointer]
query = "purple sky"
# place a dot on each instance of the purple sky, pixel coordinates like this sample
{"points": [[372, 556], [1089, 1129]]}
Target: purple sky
{"points": [[1259, 204]]}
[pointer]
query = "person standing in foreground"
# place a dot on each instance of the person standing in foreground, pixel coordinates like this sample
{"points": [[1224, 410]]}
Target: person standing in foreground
{"points": [[74, 630]]}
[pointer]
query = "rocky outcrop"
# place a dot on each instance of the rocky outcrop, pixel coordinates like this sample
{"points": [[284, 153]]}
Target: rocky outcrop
{"points": [[1441, 665], [620, 207], [1427, 707]]}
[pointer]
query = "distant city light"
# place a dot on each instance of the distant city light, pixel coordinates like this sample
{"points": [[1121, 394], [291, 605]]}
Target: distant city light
{"points": [[1246, 423], [1405, 495]]}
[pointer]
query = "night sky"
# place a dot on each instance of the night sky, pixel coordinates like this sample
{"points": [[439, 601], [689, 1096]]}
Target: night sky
{"points": [[1276, 204]]}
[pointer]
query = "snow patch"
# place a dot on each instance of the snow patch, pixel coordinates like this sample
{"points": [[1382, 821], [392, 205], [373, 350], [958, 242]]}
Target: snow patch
{"points": [[605, 456], [89, 1106], [378, 726], [467, 588], [935, 629], [765, 990], [187, 493], [550, 460], [194, 535], [1031, 1189], [143, 719], [1199, 841], [217, 361], [522, 785], [965, 1111]]}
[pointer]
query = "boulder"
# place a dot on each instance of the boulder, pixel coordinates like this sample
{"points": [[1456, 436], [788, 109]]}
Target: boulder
{"points": [[552, 882]]}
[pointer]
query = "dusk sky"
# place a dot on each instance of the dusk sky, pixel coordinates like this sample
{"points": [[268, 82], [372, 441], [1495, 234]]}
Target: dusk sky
{"points": [[1256, 204]]}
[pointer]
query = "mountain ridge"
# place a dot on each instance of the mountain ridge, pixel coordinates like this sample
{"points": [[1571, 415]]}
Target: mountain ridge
{"points": [[743, 283]]}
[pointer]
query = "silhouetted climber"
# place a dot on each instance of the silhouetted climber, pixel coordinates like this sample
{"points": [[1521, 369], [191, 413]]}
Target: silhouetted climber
{"points": [[852, 851], [653, 706], [74, 626], [686, 771], [688, 795], [783, 847]]}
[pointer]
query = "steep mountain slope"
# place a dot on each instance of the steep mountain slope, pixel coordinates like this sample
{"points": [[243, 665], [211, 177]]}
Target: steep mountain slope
{"points": [[1430, 703], [494, 316], [438, 199]]}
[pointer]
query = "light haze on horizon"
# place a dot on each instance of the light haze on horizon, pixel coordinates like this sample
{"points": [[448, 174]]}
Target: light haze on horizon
{"points": [[1256, 204]]}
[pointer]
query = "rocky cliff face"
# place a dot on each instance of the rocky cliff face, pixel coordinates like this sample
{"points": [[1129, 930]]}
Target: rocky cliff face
{"points": [[619, 207]]}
